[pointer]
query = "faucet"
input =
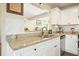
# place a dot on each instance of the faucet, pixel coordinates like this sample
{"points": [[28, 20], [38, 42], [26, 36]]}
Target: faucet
{"points": [[43, 29]]}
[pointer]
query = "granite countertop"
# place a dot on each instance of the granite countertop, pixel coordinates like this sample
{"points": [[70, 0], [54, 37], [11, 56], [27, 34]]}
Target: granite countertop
{"points": [[22, 42]]}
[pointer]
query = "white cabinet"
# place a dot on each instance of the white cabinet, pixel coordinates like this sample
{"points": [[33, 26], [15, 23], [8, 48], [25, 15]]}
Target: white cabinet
{"points": [[9, 51], [71, 43], [28, 51], [69, 16], [57, 47], [47, 48], [56, 16]]}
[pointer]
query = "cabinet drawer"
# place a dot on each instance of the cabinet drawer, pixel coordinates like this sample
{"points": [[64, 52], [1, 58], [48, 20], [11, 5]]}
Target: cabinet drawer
{"points": [[72, 36]]}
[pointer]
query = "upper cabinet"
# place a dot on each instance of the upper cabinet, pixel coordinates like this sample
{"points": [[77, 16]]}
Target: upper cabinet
{"points": [[69, 16], [65, 16], [55, 16]]}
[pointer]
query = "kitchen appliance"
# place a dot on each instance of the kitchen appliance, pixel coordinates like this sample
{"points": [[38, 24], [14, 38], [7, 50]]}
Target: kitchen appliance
{"points": [[62, 44], [78, 41], [78, 45]]}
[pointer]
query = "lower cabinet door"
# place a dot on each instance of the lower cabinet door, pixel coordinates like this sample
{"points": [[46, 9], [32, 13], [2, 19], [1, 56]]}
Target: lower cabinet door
{"points": [[49, 48], [46, 48], [72, 44], [45, 51], [56, 50], [28, 51]]}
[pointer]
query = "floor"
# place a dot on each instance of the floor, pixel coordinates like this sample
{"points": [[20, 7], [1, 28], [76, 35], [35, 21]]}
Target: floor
{"points": [[68, 54]]}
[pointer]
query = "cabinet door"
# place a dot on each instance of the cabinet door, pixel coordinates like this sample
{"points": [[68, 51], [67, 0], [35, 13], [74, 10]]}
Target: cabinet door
{"points": [[55, 16], [70, 16], [27, 51], [57, 48], [18, 52], [71, 44], [45, 49], [49, 48], [9, 51]]}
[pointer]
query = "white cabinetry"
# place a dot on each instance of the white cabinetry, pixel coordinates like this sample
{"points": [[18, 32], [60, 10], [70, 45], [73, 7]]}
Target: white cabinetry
{"points": [[56, 16], [71, 44], [57, 47], [69, 16], [9, 51], [28, 51], [47, 48]]}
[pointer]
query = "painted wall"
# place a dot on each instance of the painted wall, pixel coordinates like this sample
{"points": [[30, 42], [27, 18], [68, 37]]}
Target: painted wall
{"points": [[10, 24], [14, 24], [31, 24]]}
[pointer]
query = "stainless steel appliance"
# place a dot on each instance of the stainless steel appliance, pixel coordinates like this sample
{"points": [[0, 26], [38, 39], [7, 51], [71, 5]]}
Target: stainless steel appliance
{"points": [[78, 45], [78, 41], [62, 44]]}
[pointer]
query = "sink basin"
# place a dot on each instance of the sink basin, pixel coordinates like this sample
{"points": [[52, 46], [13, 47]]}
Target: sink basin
{"points": [[48, 36]]}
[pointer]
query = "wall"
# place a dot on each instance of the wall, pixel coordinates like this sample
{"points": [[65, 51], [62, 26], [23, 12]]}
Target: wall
{"points": [[10, 24], [31, 24], [14, 24]]}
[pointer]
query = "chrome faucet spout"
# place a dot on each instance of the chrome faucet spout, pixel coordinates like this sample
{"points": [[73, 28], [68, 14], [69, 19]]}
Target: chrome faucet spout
{"points": [[44, 28]]}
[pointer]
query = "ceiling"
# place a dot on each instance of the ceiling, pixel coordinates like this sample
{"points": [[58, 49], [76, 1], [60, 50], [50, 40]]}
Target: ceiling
{"points": [[53, 5], [31, 10]]}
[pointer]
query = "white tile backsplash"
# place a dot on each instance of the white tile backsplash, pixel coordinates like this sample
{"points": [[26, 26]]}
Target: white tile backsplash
{"points": [[68, 28]]}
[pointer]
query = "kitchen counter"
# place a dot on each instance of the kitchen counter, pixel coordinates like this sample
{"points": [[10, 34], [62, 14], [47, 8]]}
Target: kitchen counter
{"points": [[22, 42]]}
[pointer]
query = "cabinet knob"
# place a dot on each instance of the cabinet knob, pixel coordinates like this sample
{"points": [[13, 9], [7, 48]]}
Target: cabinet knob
{"points": [[35, 49]]}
